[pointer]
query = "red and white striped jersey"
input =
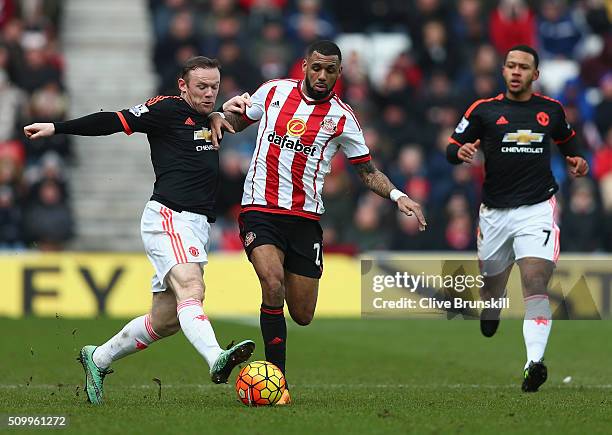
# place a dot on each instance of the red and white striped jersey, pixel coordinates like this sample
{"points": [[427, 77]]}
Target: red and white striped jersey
{"points": [[296, 140]]}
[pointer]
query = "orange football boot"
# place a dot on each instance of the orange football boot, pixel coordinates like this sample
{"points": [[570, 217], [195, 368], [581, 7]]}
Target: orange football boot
{"points": [[285, 399]]}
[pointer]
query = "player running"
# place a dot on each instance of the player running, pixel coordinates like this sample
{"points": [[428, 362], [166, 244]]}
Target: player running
{"points": [[303, 124], [175, 224], [517, 215]]}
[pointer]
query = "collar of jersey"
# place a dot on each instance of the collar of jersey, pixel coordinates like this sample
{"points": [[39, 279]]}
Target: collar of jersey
{"points": [[308, 100], [517, 102]]}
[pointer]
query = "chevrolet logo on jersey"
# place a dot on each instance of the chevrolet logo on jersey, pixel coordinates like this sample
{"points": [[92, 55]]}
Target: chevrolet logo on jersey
{"points": [[203, 134], [524, 137]]}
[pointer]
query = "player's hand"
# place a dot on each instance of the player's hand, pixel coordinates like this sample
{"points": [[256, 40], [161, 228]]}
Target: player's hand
{"points": [[410, 207], [238, 104], [39, 129], [468, 151], [578, 166], [217, 125]]}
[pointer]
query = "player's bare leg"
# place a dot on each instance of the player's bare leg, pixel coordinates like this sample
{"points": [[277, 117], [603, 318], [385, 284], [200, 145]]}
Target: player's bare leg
{"points": [[163, 314], [494, 288], [137, 335], [268, 262], [535, 275], [188, 286], [301, 293]]}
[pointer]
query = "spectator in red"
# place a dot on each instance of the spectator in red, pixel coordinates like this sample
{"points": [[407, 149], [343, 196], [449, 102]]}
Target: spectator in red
{"points": [[602, 161], [602, 170], [7, 10], [262, 4], [512, 23]]}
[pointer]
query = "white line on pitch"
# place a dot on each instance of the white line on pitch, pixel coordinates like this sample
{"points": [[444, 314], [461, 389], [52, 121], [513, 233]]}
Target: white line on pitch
{"points": [[319, 386]]}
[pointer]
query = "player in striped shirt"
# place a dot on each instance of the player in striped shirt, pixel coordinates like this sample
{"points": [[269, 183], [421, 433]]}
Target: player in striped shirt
{"points": [[302, 124]]}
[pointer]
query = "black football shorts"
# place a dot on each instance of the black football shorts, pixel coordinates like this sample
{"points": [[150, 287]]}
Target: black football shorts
{"points": [[301, 239]]}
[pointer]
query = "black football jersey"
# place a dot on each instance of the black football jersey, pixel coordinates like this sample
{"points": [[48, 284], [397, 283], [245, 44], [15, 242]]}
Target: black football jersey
{"points": [[186, 165], [515, 138]]}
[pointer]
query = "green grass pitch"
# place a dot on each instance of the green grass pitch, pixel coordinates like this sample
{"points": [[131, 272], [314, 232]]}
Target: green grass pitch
{"points": [[347, 377]]}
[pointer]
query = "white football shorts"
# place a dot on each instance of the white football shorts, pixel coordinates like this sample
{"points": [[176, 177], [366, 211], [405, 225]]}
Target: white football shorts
{"points": [[172, 238], [506, 235]]}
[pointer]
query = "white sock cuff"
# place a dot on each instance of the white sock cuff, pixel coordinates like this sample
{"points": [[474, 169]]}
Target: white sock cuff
{"points": [[537, 306], [191, 302], [149, 327]]}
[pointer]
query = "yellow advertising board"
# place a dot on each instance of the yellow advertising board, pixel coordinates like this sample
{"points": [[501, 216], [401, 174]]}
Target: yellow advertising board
{"points": [[118, 285], [73, 284]]}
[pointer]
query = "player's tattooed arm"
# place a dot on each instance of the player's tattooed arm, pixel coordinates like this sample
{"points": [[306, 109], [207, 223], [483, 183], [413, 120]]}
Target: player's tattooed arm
{"points": [[234, 108], [236, 120], [234, 112], [376, 181], [379, 183], [230, 121]]}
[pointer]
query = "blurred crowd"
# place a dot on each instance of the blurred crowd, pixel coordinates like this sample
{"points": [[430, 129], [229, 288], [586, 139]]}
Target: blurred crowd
{"points": [[34, 205], [454, 56]]}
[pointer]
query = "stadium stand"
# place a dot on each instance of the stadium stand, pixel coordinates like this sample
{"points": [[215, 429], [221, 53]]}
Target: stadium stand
{"points": [[445, 54], [411, 69], [34, 202]]}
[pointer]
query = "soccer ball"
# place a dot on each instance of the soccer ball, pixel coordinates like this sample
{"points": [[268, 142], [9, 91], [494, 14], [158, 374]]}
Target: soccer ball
{"points": [[260, 383]]}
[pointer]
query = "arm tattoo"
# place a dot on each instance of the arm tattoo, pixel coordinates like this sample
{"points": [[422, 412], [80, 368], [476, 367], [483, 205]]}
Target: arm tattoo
{"points": [[236, 120], [374, 179]]}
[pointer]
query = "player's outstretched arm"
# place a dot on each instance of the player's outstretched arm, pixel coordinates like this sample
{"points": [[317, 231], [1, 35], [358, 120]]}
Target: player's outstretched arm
{"points": [[379, 183], [96, 124]]}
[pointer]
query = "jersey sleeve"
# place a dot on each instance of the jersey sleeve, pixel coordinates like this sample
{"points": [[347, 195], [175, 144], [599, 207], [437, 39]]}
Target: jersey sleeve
{"points": [[351, 140], [257, 110], [469, 128], [562, 131], [147, 117]]}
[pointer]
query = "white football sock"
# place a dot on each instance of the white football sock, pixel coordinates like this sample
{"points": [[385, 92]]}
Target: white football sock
{"points": [[536, 326], [198, 330], [137, 335]]}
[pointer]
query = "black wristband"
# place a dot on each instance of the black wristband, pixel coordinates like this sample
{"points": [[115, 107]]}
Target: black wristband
{"points": [[96, 124]]}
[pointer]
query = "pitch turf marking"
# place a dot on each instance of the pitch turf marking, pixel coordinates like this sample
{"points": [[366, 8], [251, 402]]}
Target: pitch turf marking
{"points": [[325, 386]]}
